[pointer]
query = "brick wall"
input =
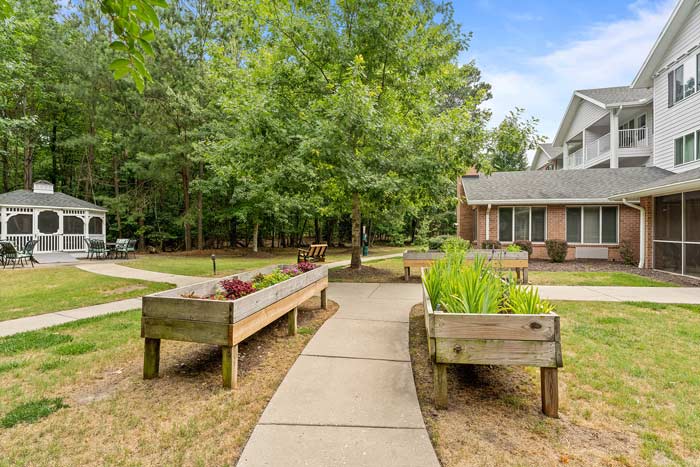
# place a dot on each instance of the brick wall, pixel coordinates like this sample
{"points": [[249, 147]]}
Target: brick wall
{"points": [[556, 229]]}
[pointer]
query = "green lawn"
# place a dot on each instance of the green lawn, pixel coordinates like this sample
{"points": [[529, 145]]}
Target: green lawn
{"points": [[225, 265], [640, 361], [622, 279], [30, 292]]}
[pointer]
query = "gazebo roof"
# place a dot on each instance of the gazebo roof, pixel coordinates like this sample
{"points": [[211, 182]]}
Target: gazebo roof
{"points": [[45, 200]]}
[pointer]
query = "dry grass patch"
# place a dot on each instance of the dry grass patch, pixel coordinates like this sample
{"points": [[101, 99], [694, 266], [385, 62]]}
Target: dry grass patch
{"points": [[628, 394], [114, 417]]}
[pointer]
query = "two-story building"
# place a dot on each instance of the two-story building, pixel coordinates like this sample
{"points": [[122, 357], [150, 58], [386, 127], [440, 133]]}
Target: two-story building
{"points": [[622, 169]]}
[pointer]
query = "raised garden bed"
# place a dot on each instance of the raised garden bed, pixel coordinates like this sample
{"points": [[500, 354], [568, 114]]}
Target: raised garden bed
{"points": [[500, 259], [199, 313], [494, 339]]}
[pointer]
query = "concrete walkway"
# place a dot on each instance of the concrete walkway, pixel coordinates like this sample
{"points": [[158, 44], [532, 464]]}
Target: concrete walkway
{"points": [[124, 272], [621, 294], [349, 399]]}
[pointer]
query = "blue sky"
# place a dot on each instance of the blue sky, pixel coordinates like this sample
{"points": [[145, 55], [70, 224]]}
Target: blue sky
{"points": [[536, 52]]}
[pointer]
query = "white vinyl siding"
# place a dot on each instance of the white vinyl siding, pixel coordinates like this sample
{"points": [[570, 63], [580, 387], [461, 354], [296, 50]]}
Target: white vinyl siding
{"points": [[586, 115], [683, 117]]}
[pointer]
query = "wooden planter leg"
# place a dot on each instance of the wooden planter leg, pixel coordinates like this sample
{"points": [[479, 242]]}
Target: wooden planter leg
{"points": [[151, 358], [292, 321], [324, 299], [440, 385], [406, 273], [229, 366], [550, 392], [525, 276]]}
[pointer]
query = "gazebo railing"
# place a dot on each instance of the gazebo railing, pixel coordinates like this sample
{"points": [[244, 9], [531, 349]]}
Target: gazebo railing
{"points": [[52, 243]]}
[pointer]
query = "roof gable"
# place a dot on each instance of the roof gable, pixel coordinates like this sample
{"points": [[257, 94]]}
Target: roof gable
{"points": [[654, 60]]}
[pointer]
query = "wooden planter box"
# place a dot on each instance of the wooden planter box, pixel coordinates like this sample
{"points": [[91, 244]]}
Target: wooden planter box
{"points": [[169, 315], [501, 259], [494, 339]]}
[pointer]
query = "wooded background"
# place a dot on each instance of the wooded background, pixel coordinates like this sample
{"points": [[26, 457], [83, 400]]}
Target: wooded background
{"points": [[265, 121]]}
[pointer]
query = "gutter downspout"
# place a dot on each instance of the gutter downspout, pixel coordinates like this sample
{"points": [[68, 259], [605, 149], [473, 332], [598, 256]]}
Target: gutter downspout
{"points": [[488, 217], [642, 230]]}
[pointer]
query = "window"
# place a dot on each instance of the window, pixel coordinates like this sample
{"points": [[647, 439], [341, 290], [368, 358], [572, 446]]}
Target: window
{"points": [[19, 224], [677, 233], [685, 149], [522, 223], [95, 226], [591, 224], [73, 225], [48, 222], [683, 82]]}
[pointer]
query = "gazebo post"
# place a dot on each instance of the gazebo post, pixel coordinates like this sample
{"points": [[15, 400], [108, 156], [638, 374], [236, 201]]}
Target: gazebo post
{"points": [[35, 228], [3, 223]]}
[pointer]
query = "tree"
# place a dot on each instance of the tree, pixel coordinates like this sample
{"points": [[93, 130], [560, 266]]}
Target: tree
{"points": [[511, 141]]}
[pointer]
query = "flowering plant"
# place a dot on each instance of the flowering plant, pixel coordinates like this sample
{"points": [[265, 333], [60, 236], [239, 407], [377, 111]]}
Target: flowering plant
{"points": [[236, 288], [306, 266]]}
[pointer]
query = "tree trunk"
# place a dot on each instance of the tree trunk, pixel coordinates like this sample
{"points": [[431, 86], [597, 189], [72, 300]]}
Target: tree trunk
{"points": [[200, 231], [89, 186], [317, 231], [186, 196], [233, 233], [28, 164], [356, 260], [115, 181], [54, 161], [4, 153], [256, 230]]}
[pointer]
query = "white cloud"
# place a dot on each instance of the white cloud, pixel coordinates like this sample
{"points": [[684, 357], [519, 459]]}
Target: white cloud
{"points": [[607, 54]]}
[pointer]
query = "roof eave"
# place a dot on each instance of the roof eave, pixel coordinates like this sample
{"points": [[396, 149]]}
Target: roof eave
{"points": [[95, 208], [638, 103], [660, 190], [644, 78], [557, 141], [529, 202]]}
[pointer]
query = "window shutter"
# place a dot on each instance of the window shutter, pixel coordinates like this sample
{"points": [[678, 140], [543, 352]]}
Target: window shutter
{"points": [[670, 89]]}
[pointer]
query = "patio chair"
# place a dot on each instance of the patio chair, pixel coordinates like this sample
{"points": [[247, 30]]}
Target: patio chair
{"points": [[96, 248], [121, 247], [131, 248], [315, 253], [28, 251], [2, 255], [11, 255]]}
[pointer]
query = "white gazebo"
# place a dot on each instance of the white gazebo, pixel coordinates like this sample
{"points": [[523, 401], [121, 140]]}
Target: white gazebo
{"points": [[58, 221]]}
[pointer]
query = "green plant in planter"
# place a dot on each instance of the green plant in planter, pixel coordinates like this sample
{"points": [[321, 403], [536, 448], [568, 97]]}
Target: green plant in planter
{"points": [[525, 301], [513, 248], [455, 245], [275, 277]]}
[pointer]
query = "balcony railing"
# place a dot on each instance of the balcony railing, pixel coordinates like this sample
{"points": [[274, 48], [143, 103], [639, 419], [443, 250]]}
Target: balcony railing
{"points": [[576, 158], [635, 138], [598, 147]]}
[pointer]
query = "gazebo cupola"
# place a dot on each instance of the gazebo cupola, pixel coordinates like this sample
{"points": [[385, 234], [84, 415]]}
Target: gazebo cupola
{"points": [[58, 221]]}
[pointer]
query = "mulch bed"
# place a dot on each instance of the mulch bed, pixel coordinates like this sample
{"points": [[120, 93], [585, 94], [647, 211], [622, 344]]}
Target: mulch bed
{"points": [[609, 266]]}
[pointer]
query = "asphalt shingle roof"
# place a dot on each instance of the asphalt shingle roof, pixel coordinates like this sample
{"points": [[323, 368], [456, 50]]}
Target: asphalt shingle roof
{"points": [[593, 184], [549, 150], [618, 94], [57, 200], [672, 179]]}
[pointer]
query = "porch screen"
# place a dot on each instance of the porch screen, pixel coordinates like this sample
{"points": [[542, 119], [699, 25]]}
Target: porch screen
{"points": [[19, 224], [48, 222], [677, 249], [95, 226], [73, 225]]}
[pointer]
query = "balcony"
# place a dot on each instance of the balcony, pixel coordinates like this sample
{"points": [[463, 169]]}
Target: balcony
{"points": [[636, 142]]}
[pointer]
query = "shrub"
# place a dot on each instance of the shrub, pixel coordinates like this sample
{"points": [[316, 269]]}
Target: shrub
{"points": [[525, 245], [435, 243], [556, 250], [627, 253], [491, 245], [455, 245], [236, 288], [513, 248]]}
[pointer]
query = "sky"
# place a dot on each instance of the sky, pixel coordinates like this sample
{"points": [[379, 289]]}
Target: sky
{"points": [[535, 53]]}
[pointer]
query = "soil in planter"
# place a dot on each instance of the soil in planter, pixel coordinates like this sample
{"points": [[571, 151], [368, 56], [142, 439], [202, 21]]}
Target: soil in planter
{"points": [[494, 417]]}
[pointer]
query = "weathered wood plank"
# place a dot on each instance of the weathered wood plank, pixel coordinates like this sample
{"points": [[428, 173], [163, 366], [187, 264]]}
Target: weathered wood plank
{"points": [[186, 330], [188, 309], [324, 298], [497, 327], [253, 323], [549, 386], [229, 366], [496, 352], [151, 358], [250, 304], [292, 321], [440, 385]]}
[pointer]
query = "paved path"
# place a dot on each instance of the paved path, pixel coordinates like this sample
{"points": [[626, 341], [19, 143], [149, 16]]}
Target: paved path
{"points": [[349, 399], [621, 294], [124, 272]]}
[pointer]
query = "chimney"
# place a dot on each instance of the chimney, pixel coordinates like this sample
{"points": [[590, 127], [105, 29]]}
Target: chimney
{"points": [[44, 187]]}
